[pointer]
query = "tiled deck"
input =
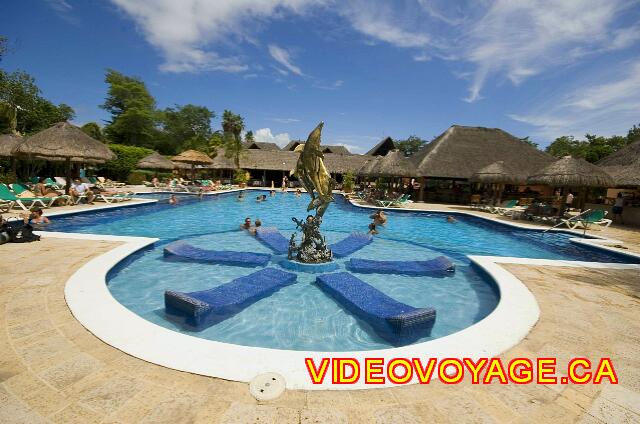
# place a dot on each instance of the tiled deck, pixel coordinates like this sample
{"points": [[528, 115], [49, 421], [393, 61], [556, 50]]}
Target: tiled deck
{"points": [[52, 369]]}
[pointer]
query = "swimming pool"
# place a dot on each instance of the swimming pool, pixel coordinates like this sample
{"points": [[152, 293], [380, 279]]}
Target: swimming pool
{"points": [[300, 316]]}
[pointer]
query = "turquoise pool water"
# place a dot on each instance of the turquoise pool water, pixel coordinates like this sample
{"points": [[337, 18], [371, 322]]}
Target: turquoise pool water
{"points": [[300, 316]]}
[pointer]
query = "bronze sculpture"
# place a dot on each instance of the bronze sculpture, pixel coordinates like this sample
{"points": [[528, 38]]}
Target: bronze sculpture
{"points": [[313, 176]]}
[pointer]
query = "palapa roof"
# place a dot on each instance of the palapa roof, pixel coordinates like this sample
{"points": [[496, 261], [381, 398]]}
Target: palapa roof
{"points": [[572, 172], [282, 160], [368, 166], [460, 152], [628, 155], [292, 145], [394, 163], [624, 175], [341, 150], [155, 161], [8, 142], [499, 173], [64, 141], [193, 157], [262, 145], [382, 148]]}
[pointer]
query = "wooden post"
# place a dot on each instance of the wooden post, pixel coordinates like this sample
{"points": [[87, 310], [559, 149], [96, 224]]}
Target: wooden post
{"points": [[423, 182], [68, 177]]}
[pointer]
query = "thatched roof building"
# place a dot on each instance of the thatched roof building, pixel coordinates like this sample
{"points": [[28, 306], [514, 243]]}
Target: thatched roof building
{"points": [[155, 161], [259, 145], [367, 168], [628, 155], [460, 152], [193, 157], [340, 164], [499, 173], [382, 148], [394, 163], [64, 141], [572, 172], [340, 150], [628, 176], [8, 142], [291, 146]]}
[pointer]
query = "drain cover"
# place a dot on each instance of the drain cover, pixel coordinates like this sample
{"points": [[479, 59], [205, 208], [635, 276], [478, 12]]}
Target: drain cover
{"points": [[267, 386]]}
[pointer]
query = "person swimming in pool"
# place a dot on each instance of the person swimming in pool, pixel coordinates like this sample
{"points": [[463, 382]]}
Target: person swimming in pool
{"points": [[253, 230], [372, 229], [379, 218], [246, 225], [451, 219], [173, 200]]}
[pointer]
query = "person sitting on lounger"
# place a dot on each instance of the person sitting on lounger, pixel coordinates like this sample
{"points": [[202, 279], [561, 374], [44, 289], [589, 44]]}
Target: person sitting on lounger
{"points": [[246, 225], [372, 229], [451, 219], [79, 189], [41, 190], [173, 200], [379, 218]]}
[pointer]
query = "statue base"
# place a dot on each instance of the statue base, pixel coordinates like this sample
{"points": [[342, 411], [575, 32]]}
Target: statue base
{"points": [[313, 248], [320, 268]]}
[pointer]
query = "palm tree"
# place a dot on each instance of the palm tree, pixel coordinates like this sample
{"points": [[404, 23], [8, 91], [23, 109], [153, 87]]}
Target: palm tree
{"points": [[232, 126]]}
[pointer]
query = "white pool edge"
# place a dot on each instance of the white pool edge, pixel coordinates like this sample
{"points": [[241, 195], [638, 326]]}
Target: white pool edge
{"points": [[92, 304]]}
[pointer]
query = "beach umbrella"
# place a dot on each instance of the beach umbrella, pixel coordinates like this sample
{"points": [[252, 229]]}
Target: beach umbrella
{"points": [[572, 173], [193, 158], [155, 161], [64, 142], [498, 174]]}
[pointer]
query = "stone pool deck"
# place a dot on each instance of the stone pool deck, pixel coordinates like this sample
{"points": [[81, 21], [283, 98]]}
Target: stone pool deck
{"points": [[53, 370]]}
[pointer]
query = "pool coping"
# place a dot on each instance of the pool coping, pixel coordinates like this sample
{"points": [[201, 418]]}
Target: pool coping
{"points": [[92, 304]]}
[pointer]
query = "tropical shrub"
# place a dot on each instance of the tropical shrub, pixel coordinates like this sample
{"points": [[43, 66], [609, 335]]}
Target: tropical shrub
{"points": [[125, 162], [348, 181]]}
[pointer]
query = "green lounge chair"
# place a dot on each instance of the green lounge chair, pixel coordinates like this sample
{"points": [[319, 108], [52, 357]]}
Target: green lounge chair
{"points": [[26, 203], [507, 204], [19, 188], [596, 216]]}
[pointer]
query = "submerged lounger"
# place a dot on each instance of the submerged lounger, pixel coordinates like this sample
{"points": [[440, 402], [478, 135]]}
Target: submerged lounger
{"points": [[207, 307], [438, 266], [273, 239], [183, 250], [352, 243], [395, 322]]}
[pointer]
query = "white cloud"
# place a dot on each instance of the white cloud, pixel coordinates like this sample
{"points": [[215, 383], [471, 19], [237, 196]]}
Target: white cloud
{"points": [[421, 57], [332, 86], [184, 31], [283, 57], [603, 107], [265, 135]]}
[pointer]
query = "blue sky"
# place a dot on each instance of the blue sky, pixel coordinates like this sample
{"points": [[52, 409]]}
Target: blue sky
{"points": [[367, 68]]}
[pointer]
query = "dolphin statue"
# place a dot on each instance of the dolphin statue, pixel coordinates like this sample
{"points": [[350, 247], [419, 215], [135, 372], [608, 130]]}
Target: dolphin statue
{"points": [[312, 173]]}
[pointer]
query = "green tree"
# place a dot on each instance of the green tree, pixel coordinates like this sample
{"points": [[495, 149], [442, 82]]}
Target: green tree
{"points": [[33, 112], [125, 162], [133, 114], [566, 145], [410, 145], [633, 135], [232, 126], [215, 141], [530, 142], [186, 127], [248, 137], [92, 129]]}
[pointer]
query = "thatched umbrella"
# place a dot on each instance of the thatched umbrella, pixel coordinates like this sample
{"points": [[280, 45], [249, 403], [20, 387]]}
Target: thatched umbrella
{"points": [[193, 158], [8, 142], [155, 161], [574, 173], [498, 174], [64, 142]]}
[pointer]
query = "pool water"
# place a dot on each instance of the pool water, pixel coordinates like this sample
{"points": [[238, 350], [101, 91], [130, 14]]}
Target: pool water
{"points": [[301, 316]]}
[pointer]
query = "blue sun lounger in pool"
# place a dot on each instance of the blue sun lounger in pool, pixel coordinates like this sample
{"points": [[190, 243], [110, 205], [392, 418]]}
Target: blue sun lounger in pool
{"points": [[273, 239], [207, 307], [395, 322], [440, 266], [185, 251], [352, 243]]}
